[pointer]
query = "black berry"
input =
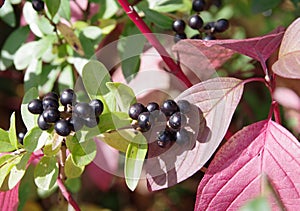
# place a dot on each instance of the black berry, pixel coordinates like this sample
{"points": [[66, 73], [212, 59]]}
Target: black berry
{"points": [[184, 106], [169, 107], [62, 128], [196, 37], [178, 37], [21, 136], [50, 103], [75, 123], [91, 122], [209, 37], [144, 121], [97, 106], [195, 22], [67, 97], [178, 26], [176, 121], [42, 123], [51, 95], [182, 136], [164, 137], [198, 5], [221, 25], [35, 106], [51, 115], [83, 110], [152, 106], [210, 26], [135, 110], [38, 5]]}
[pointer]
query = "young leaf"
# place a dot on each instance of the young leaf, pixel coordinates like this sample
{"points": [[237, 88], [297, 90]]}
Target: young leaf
{"points": [[5, 145], [158, 19], [64, 9], [71, 169], [134, 160], [7, 14], [29, 119], [9, 200], [70, 37], [12, 133], [53, 6], [7, 163], [35, 139], [215, 101], [46, 172], [263, 148], [287, 64]]}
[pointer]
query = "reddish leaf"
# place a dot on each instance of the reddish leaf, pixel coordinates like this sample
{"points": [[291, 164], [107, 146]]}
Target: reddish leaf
{"points": [[235, 174], [287, 98], [1, 3], [9, 200], [203, 56], [215, 101]]}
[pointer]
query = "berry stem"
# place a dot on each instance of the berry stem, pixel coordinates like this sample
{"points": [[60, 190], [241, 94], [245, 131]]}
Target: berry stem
{"points": [[142, 26]]}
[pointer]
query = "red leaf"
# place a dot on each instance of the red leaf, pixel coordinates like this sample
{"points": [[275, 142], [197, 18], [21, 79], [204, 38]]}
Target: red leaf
{"points": [[1, 3], [215, 101], [235, 174], [9, 199], [203, 56]]}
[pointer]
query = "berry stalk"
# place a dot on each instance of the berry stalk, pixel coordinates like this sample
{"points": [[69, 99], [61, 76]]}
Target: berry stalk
{"points": [[142, 26]]}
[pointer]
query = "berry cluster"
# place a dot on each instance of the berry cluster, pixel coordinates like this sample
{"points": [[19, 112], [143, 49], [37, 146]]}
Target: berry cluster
{"points": [[196, 23], [38, 5], [171, 114], [74, 116]]}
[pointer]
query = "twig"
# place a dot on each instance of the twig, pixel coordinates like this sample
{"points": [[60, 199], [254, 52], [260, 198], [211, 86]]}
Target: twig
{"points": [[142, 26], [66, 194]]}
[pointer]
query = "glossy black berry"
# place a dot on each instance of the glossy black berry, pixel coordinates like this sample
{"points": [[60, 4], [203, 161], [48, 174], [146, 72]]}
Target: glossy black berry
{"points": [[195, 22], [196, 37], [35, 106], [67, 97], [51, 115], [62, 128], [169, 107], [209, 37], [97, 106], [152, 107], [178, 37], [91, 122], [83, 110], [210, 26], [221, 25], [38, 5], [176, 121], [164, 137], [198, 5], [75, 123], [182, 136], [51, 95], [184, 106], [144, 121], [42, 123], [50, 103], [21, 136], [178, 26], [135, 110]]}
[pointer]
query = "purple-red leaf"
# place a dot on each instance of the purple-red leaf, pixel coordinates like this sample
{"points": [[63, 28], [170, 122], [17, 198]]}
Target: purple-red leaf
{"points": [[236, 173], [287, 64], [215, 101], [9, 199]]}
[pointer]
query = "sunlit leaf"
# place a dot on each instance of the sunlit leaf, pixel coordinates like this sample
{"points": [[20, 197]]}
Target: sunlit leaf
{"points": [[5, 145], [64, 9], [53, 6], [71, 169], [7, 14], [35, 139], [29, 119], [12, 133]]}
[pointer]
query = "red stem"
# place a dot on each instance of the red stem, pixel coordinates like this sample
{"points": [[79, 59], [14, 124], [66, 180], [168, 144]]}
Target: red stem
{"points": [[142, 26], [66, 194]]}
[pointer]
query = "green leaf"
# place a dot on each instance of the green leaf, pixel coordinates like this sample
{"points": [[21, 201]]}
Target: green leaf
{"points": [[113, 120], [108, 8], [124, 95], [295, 2], [7, 163], [158, 19], [92, 32], [134, 160], [29, 119], [166, 5], [53, 145], [12, 133], [70, 37], [32, 75], [82, 152], [64, 9], [7, 14], [53, 6], [35, 139], [71, 169], [73, 185], [259, 203], [46, 172], [18, 171], [262, 6], [5, 145], [66, 78], [11, 45]]}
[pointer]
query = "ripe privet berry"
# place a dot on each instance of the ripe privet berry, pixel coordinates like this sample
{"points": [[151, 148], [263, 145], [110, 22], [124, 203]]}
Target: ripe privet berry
{"points": [[221, 25], [51, 115], [182, 136], [178, 26], [35, 106], [176, 121], [169, 107], [209, 37], [135, 110], [67, 97], [38, 5], [91, 122], [210, 26], [97, 107], [184, 106], [152, 106], [195, 22], [50, 103], [75, 123], [51, 95], [178, 37], [43, 125], [21, 136], [62, 127], [164, 137], [144, 121], [83, 110], [198, 5]]}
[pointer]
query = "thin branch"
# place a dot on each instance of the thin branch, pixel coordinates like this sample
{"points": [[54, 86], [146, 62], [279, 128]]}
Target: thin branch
{"points": [[67, 195], [142, 26]]}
